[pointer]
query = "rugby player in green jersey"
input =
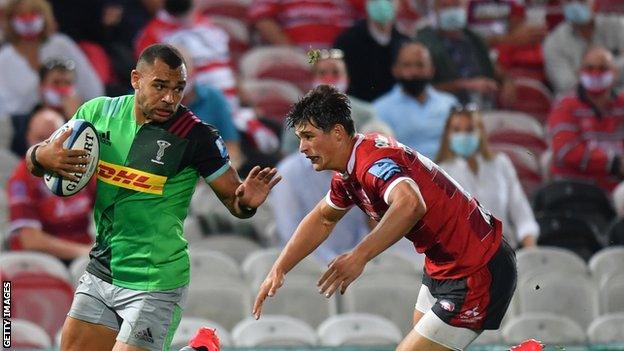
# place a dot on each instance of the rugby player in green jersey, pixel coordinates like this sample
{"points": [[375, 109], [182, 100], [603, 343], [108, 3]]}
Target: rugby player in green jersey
{"points": [[152, 151]]}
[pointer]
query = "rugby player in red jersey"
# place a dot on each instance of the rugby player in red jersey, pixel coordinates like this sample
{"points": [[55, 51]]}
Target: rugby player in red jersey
{"points": [[470, 271]]}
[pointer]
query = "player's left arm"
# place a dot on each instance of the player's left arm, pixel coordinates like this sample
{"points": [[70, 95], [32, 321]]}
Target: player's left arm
{"points": [[406, 208]]}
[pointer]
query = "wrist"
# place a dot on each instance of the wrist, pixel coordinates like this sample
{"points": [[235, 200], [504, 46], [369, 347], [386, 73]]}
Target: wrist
{"points": [[37, 166]]}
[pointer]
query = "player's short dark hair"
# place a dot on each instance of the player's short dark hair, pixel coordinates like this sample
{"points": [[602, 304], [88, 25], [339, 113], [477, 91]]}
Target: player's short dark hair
{"points": [[323, 107], [164, 52]]}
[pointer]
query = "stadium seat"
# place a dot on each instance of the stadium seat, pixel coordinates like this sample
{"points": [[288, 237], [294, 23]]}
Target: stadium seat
{"points": [[565, 294], [77, 269], [12, 263], [41, 298], [489, 337], [389, 262], [611, 7], [233, 245], [612, 293], [615, 232], [299, 298], [541, 259], [528, 141], [607, 329], [532, 97], [193, 231], [571, 232], [398, 292], [230, 8], [28, 335], [258, 264], [273, 331], [512, 120], [238, 33], [6, 132], [225, 301], [358, 329], [607, 262], [211, 263], [188, 328], [272, 98], [277, 62], [526, 164], [576, 197], [546, 327]]}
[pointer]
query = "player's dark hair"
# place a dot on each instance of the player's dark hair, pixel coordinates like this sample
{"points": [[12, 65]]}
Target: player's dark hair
{"points": [[323, 107], [164, 52]]}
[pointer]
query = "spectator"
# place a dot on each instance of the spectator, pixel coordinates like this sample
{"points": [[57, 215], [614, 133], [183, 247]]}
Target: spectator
{"points": [[39, 220], [585, 127], [303, 23], [57, 86], [461, 58], [298, 193], [330, 69], [368, 47], [32, 39], [415, 110], [565, 45], [465, 154], [503, 24]]}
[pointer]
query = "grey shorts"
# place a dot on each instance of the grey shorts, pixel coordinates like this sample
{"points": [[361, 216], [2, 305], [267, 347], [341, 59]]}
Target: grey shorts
{"points": [[147, 319]]}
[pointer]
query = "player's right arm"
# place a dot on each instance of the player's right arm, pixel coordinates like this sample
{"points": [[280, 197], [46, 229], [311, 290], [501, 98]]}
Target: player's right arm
{"points": [[310, 233]]}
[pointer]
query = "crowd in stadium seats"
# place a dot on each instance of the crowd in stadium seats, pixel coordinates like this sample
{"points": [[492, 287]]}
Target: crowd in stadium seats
{"points": [[518, 100]]}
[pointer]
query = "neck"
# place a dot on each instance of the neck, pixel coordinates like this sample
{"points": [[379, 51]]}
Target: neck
{"points": [[422, 98], [345, 155], [138, 115], [601, 101], [382, 28]]}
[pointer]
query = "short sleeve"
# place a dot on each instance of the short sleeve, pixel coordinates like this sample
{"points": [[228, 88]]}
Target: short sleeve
{"points": [[337, 197], [382, 175], [210, 156]]}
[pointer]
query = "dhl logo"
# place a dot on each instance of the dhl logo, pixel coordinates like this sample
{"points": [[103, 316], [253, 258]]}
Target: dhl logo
{"points": [[131, 178]]}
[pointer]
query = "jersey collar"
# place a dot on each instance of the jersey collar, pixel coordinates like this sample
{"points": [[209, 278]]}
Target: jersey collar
{"points": [[351, 162]]}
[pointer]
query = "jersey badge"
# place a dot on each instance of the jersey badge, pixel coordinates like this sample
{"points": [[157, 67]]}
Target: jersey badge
{"points": [[162, 145]]}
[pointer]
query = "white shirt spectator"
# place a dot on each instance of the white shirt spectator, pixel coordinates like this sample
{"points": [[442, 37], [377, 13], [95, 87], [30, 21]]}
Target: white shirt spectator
{"points": [[19, 85], [497, 188], [564, 49]]}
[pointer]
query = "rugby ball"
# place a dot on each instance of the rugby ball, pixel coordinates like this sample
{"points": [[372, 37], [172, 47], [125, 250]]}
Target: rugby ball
{"points": [[83, 137]]}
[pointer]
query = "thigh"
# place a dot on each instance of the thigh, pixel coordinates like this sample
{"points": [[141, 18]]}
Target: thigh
{"points": [[442, 336], [122, 346], [416, 342], [79, 335], [149, 318]]}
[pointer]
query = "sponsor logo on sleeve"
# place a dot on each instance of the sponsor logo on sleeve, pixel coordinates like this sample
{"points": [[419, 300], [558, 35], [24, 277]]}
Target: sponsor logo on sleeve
{"points": [[384, 169]]}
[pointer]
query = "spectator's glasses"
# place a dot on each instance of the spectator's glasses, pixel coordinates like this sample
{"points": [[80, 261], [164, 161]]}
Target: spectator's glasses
{"points": [[56, 63], [466, 108], [336, 54]]}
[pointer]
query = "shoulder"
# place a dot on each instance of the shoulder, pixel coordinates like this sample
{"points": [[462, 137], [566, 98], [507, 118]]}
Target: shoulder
{"points": [[348, 34], [443, 96], [426, 35], [189, 126], [501, 159], [562, 31], [386, 99], [106, 106]]}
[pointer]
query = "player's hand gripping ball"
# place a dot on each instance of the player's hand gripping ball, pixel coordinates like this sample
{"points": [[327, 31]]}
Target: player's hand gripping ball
{"points": [[83, 137]]}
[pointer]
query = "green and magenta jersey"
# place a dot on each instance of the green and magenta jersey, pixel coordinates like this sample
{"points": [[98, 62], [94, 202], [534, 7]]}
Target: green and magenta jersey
{"points": [[146, 176]]}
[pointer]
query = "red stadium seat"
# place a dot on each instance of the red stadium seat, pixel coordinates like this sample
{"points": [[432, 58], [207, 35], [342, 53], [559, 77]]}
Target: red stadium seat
{"points": [[42, 299], [512, 120], [527, 166], [280, 63], [532, 97], [615, 7], [27, 335], [529, 141], [230, 8], [99, 60], [238, 32], [272, 98]]}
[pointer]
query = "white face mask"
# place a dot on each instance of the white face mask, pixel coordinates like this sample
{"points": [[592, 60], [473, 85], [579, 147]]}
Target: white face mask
{"points": [[28, 26]]}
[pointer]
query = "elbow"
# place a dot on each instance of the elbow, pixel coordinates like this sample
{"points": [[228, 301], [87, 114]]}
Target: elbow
{"points": [[415, 207]]}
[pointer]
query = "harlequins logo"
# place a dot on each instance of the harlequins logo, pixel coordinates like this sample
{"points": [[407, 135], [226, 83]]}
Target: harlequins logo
{"points": [[145, 335], [105, 137], [162, 145]]}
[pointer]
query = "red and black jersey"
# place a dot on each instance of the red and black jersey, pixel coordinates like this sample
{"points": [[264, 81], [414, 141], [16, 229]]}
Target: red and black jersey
{"points": [[456, 234]]}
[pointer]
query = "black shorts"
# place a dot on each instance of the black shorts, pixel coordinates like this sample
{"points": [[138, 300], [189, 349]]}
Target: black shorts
{"points": [[479, 301]]}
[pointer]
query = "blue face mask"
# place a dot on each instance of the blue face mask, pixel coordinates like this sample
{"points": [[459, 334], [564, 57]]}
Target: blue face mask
{"points": [[464, 144], [577, 13], [452, 18], [380, 11]]}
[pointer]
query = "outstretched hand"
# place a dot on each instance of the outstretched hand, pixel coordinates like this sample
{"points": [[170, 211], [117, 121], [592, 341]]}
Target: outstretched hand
{"points": [[55, 158], [341, 272], [256, 187], [268, 288]]}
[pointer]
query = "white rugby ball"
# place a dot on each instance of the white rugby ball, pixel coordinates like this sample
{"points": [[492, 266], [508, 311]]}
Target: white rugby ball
{"points": [[83, 137]]}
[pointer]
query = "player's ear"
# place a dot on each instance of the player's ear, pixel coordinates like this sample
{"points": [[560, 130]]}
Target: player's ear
{"points": [[134, 79], [339, 131]]}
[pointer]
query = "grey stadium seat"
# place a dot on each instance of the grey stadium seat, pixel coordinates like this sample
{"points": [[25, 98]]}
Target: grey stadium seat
{"points": [[77, 268], [612, 294], [549, 259], [28, 335], [389, 262], [358, 329], [273, 331], [607, 329], [235, 246], [606, 262], [546, 327], [36, 262], [211, 263], [258, 264]]}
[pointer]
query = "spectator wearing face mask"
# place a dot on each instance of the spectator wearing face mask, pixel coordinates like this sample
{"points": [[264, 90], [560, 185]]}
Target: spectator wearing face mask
{"points": [[415, 110], [565, 45], [32, 39], [330, 69], [490, 177], [368, 49], [586, 128], [57, 87], [461, 57]]}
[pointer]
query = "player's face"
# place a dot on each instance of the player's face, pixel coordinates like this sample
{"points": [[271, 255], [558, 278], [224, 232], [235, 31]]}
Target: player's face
{"points": [[158, 89], [317, 145]]}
